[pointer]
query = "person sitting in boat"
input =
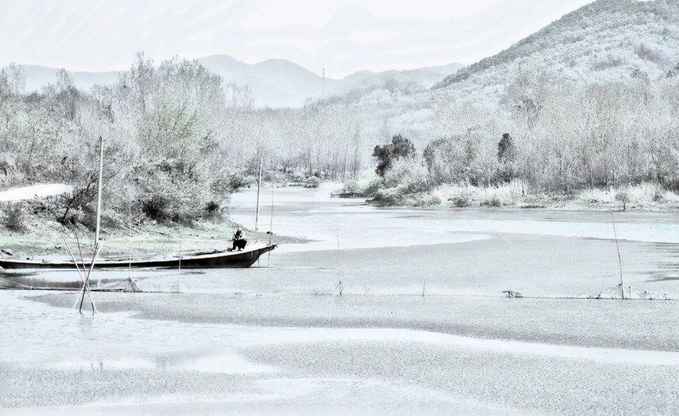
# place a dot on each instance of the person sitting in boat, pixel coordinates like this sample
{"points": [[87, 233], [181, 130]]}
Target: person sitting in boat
{"points": [[238, 241]]}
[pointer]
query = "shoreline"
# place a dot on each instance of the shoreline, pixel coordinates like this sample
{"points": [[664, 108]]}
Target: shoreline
{"points": [[565, 206], [643, 197], [542, 203]]}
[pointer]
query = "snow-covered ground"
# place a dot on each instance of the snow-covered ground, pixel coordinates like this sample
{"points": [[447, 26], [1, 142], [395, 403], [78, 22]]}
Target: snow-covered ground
{"points": [[34, 191]]}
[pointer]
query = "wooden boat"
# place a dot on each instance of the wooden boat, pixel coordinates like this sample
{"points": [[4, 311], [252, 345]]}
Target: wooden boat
{"points": [[206, 260]]}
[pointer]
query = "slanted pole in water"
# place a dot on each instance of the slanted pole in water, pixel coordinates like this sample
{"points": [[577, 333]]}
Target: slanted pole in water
{"points": [[86, 283], [617, 247], [97, 247], [81, 273]]}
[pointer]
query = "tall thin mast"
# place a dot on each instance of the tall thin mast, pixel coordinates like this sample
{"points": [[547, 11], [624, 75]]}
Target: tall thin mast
{"points": [[259, 185], [99, 185], [273, 188]]}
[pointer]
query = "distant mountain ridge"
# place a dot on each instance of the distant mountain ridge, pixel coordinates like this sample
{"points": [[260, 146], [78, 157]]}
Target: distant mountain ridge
{"points": [[274, 83], [37, 76], [604, 40]]}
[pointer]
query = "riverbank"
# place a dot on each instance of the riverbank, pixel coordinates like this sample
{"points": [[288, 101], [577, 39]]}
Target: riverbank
{"points": [[642, 197]]}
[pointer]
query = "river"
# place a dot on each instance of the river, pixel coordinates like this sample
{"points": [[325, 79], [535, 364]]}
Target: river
{"points": [[421, 327]]}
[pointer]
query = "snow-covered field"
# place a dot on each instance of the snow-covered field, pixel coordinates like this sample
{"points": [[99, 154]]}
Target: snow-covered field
{"points": [[278, 340]]}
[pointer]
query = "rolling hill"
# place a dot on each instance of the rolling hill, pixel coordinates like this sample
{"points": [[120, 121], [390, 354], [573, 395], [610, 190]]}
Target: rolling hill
{"points": [[605, 40]]}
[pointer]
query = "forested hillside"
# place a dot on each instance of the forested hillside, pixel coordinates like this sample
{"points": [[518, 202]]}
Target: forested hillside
{"points": [[604, 41]]}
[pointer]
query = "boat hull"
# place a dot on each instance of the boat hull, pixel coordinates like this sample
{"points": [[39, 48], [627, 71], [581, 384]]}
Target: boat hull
{"points": [[216, 260]]}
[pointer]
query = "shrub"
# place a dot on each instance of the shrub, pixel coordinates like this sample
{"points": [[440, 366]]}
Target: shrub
{"points": [[231, 183], [402, 182], [493, 202], [426, 201], [461, 201], [155, 207], [312, 182], [622, 197], [212, 209], [373, 186], [352, 186], [390, 196], [13, 217], [408, 174], [501, 195], [175, 191], [464, 158], [367, 185]]}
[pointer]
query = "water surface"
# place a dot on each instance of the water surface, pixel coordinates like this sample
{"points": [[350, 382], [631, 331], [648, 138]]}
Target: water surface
{"points": [[421, 328]]}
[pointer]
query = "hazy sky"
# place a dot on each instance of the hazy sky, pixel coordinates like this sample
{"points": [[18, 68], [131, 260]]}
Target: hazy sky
{"points": [[342, 35]]}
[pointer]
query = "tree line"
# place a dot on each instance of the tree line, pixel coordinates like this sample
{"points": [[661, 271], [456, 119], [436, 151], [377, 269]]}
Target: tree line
{"points": [[177, 141]]}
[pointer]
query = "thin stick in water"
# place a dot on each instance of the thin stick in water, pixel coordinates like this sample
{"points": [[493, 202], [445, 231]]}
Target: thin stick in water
{"points": [[81, 274], [87, 279], [617, 247]]}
